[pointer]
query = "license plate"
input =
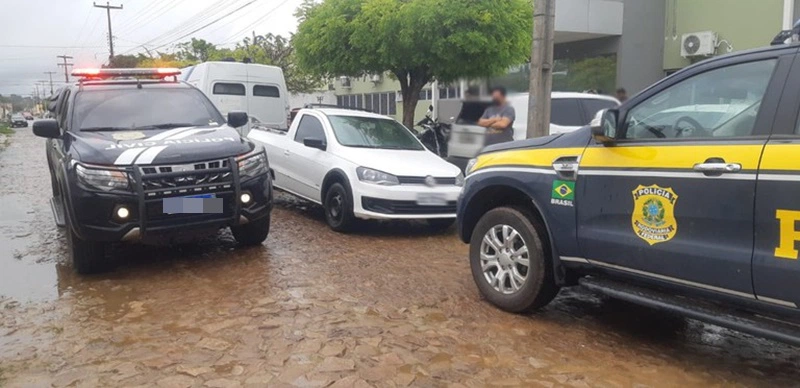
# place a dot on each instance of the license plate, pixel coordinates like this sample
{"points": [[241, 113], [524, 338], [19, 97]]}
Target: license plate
{"points": [[193, 204], [468, 138], [431, 199]]}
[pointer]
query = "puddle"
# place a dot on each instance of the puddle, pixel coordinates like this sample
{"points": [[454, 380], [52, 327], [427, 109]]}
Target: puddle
{"points": [[21, 277]]}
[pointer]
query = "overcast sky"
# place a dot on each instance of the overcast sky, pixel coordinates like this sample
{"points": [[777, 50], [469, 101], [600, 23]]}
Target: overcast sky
{"points": [[34, 32]]}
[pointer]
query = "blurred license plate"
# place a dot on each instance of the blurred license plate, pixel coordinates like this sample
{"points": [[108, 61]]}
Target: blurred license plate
{"points": [[431, 199], [468, 138], [194, 204]]}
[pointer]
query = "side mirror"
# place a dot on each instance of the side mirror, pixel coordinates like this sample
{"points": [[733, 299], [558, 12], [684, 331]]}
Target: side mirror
{"points": [[237, 119], [47, 128], [315, 143], [604, 126]]}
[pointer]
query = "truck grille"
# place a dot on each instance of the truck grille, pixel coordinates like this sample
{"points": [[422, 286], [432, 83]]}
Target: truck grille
{"points": [[186, 179]]}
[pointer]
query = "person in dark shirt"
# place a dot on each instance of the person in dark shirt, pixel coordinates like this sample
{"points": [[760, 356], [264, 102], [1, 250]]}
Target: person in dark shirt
{"points": [[622, 95], [498, 119]]}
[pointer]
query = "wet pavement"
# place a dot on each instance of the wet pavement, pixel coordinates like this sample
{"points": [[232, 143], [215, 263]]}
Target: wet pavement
{"points": [[390, 305]]}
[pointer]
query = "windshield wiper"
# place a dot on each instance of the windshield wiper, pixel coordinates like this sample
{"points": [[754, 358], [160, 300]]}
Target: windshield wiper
{"points": [[169, 126]]}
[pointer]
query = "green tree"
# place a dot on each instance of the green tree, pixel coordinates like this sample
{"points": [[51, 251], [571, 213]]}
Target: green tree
{"points": [[272, 50], [197, 50], [598, 73], [415, 40]]}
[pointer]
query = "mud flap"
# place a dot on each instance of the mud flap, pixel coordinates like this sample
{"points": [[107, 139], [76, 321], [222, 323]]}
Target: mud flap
{"points": [[58, 212]]}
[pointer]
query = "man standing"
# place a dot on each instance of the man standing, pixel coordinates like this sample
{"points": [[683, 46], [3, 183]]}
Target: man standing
{"points": [[622, 95], [498, 119]]}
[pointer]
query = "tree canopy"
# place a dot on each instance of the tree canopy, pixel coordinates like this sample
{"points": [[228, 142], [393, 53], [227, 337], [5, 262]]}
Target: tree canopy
{"points": [[415, 40]]}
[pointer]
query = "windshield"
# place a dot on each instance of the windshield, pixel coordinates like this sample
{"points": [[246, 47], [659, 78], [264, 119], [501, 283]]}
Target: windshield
{"points": [[371, 132], [124, 109]]}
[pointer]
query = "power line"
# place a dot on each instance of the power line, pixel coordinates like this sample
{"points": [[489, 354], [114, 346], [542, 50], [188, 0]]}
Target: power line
{"points": [[46, 47], [108, 7], [50, 73], [66, 66], [208, 24], [194, 20], [233, 38]]}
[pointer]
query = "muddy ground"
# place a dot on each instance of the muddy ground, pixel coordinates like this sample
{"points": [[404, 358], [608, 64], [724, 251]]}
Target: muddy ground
{"points": [[391, 305]]}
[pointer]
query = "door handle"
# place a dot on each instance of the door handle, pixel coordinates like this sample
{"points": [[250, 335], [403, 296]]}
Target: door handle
{"points": [[286, 153], [717, 168]]}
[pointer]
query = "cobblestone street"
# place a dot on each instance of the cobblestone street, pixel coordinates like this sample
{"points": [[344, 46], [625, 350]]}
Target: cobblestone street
{"points": [[389, 305]]}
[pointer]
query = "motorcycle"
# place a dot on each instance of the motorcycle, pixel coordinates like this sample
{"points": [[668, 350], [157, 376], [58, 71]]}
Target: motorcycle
{"points": [[434, 135]]}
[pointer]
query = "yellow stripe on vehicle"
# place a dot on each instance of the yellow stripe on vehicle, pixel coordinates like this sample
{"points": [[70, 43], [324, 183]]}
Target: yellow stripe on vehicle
{"points": [[781, 157], [670, 157], [525, 157]]}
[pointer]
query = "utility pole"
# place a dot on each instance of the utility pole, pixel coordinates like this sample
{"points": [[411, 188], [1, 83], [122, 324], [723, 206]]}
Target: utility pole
{"points": [[541, 86], [66, 66], [108, 7], [50, 73]]}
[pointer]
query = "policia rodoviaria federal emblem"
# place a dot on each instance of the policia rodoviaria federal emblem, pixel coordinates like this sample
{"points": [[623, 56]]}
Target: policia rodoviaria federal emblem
{"points": [[653, 217]]}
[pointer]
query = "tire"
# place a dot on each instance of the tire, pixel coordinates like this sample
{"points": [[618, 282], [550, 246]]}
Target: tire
{"points": [[253, 233], [440, 224], [339, 208], [537, 287], [88, 257]]}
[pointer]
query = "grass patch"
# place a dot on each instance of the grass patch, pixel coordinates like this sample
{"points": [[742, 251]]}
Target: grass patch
{"points": [[6, 130]]}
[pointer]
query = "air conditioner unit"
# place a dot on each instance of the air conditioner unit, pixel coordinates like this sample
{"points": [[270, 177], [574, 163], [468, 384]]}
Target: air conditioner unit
{"points": [[399, 97], [698, 44], [345, 82], [376, 78]]}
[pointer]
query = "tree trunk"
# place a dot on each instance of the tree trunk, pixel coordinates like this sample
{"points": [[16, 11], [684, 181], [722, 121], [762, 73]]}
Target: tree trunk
{"points": [[411, 84]]}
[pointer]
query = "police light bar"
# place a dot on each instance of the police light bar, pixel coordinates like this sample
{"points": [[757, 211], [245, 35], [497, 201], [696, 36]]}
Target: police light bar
{"points": [[119, 73]]}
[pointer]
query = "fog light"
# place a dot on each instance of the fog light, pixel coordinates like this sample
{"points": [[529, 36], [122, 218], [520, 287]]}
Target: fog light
{"points": [[245, 198], [123, 213]]}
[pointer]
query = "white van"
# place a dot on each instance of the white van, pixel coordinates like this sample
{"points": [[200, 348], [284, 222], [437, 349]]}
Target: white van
{"points": [[569, 111], [259, 90]]}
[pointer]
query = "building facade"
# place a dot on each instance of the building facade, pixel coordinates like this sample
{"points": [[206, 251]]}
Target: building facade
{"points": [[605, 44]]}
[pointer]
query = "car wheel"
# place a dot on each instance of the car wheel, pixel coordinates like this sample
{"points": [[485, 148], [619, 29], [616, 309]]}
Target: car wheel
{"points": [[88, 257], [339, 208], [253, 233], [508, 261], [440, 224]]}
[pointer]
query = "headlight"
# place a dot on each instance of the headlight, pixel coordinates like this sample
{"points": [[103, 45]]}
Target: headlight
{"points": [[251, 166], [102, 179], [460, 180], [470, 165], [377, 177]]}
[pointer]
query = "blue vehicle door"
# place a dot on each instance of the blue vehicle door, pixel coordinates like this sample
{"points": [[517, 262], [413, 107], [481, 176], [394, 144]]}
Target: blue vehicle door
{"points": [[672, 200], [776, 268]]}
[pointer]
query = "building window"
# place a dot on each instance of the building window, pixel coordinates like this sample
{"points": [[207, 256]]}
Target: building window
{"points": [[381, 103], [450, 93], [350, 101]]}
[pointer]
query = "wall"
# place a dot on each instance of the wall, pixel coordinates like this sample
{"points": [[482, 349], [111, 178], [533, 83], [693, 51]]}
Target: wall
{"points": [[745, 24], [363, 85], [641, 46]]}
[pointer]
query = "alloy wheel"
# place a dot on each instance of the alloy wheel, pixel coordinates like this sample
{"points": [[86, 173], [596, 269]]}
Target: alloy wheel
{"points": [[505, 261]]}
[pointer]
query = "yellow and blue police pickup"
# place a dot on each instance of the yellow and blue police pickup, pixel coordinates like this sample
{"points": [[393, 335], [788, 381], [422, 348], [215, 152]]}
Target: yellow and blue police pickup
{"points": [[686, 198]]}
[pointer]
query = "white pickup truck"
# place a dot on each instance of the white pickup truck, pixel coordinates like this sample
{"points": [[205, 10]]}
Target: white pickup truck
{"points": [[363, 165]]}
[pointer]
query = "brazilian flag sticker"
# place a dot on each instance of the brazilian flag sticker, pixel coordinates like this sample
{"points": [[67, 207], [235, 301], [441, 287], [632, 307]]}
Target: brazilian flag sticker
{"points": [[563, 193]]}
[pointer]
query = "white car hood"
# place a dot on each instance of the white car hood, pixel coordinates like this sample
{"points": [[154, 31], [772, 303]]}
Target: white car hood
{"points": [[401, 162]]}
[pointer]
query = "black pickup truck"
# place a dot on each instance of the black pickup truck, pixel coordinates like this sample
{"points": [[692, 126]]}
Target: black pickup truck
{"points": [[686, 198], [136, 156]]}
